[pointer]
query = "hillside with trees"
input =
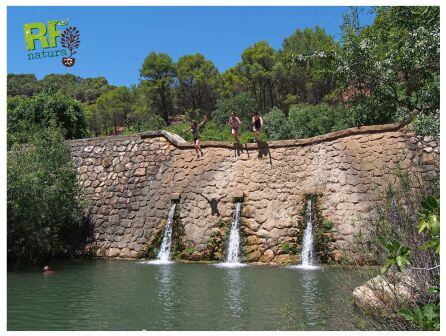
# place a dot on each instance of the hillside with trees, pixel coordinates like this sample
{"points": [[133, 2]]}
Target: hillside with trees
{"points": [[312, 85]]}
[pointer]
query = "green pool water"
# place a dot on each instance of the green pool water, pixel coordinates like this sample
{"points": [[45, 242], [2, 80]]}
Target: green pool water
{"points": [[128, 295]]}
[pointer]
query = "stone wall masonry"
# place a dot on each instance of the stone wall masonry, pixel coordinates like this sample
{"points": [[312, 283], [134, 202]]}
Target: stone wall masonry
{"points": [[128, 182]]}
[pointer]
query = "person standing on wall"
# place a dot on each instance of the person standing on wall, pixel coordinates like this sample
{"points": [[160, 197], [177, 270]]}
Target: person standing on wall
{"points": [[257, 125], [195, 129], [235, 123]]}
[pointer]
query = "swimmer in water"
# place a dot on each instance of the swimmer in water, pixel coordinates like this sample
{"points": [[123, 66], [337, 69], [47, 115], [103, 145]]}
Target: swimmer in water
{"points": [[47, 270]]}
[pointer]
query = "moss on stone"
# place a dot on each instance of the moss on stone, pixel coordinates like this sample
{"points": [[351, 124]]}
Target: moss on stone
{"points": [[243, 237], [153, 244], [177, 234], [215, 246], [156, 238]]}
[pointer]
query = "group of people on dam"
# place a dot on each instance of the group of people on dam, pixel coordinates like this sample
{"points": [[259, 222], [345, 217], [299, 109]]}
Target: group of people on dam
{"points": [[234, 121]]}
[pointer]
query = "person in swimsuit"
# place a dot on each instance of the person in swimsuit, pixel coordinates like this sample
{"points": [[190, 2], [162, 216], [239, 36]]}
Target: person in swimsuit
{"points": [[235, 123], [257, 124], [47, 270], [195, 129]]}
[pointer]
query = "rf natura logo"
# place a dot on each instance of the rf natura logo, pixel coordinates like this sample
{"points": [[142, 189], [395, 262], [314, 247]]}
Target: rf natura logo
{"points": [[49, 36]]}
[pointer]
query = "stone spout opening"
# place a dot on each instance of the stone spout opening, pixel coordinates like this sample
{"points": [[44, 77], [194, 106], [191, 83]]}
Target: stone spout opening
{"points": [[238, 197], [175, 198]]}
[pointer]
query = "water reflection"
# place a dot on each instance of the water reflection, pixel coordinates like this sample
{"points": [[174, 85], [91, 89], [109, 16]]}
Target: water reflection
{"points": [[121, 295], [310, 282], [233, 298], [165, 293]]}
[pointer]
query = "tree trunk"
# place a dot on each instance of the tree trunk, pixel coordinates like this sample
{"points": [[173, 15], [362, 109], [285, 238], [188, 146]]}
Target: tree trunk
{"points": [[164, 106], [95, 121], [271, 94], [106, 129]]}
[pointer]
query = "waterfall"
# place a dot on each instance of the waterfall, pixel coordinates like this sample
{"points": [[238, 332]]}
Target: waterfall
{"points": [[232, 256], [307, 241], [164, 252]]}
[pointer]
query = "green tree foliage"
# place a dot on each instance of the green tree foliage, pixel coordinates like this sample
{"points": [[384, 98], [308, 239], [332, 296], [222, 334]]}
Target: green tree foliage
{"points": [[215, 132], [376, 74], [43, 209], [426, 317], [22, 85], [311, 120], [183, 130], [351, 20], [429, 223], [243, 105], [43, 110], [14, 101], [142, 110], [86, 90], [93, 119], [276, 125], [156, 123], [113, 107], [198, 80], [66, 83], [408, 233], [308, 73], [394, 64], [158, 70], [258, 68], [233, 82]]}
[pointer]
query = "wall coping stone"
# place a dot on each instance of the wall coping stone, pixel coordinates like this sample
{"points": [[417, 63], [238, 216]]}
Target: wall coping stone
{"points": [[183, 144], [175, 139], [180, 143]]}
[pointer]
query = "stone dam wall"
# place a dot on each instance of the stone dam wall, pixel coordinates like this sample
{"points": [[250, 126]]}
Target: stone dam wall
{"points": [[128, 183]]}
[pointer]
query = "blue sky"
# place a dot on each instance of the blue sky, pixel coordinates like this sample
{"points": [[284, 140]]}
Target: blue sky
{"points": [[115, 40]]}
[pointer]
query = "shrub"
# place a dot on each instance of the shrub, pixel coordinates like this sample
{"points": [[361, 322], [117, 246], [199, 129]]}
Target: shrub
{"points": [[427, 125], [406, 239], [194, 115], [242, 104], [213, 131], [286, 247], [328, 224], [183, 130], [189, 250], [44, 213], [427, 317], [46, 109], [398, 219], [156, 123], [311, 120], [276, 125]]}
